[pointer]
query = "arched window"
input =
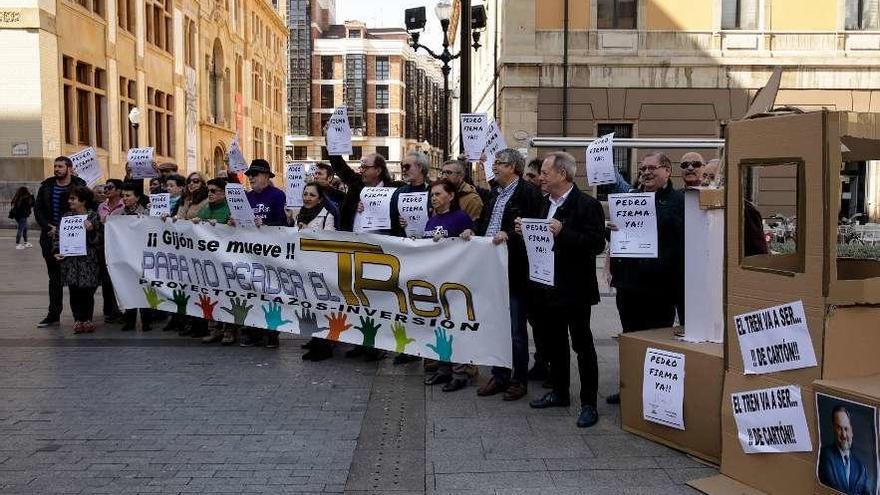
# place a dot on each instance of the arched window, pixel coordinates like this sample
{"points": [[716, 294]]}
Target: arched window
{"points": [[216, 73]]}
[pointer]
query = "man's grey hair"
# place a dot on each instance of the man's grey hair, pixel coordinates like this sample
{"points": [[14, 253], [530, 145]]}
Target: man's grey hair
{"points": [[564, 163], [457, 163], [513, 157], [422, 161], [662, 159]]}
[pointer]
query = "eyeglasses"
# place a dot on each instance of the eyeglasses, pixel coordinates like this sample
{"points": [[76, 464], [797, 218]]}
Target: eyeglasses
{"points": [[650, 168], [694, 164], [364, 165], [449, 172]]}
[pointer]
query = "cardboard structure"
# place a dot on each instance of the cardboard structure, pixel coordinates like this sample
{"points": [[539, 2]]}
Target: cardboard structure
{"points": [[788, 166], [704, 372], [703, 262]]}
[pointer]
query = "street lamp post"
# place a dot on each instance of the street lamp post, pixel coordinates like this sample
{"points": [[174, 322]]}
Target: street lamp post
{"points": [[415, 24], [134, 117]]}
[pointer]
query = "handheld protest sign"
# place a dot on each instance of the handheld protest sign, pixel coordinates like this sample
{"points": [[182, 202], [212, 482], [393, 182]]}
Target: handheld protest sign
{"points": [[339, 133], [295, 180], [635, 216], [160, 204], [237, 163], [600, 161], [539, 248], [72, 235], [413, 207], [140, 160], [473, 132], [494, 143], [377, 208], [239, 206], [86, 166]]}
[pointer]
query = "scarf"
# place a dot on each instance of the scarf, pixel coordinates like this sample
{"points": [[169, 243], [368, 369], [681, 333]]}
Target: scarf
{"points": [[306, 215]]}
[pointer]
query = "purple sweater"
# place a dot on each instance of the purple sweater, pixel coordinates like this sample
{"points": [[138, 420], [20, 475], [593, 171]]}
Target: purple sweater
{"points": [[450, 224], [269, 205]]}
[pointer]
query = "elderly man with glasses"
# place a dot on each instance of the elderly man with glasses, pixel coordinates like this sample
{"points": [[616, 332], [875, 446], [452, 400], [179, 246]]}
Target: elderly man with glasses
{"points": [[650, 289], [373, 172], [691, 163], [415, 174], [468, 199]]}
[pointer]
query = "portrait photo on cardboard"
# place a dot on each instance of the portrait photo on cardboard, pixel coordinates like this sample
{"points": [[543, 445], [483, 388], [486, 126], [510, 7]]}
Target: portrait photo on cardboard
{"points": [[847, 460]]}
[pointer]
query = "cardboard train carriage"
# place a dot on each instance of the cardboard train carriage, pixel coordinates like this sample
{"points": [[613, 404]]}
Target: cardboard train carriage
{"points": [[797, 377]]}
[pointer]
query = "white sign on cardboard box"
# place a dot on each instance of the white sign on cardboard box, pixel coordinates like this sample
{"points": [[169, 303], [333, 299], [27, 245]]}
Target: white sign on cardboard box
{"points": [[295, 178], [86, 166], [494, 143], [600, 161], [635, 216], [771, 420], [413, 207], [473, 132], [377, 208], [663, 388], [72, 235], [237, 163], [339, 133], [239, 207], [539, 248], [775, 339], [160, 204], [140, 161]]}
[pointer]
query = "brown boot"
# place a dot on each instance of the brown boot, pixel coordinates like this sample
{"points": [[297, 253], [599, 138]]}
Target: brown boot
{"points": [[492, 387], [515, 391]]}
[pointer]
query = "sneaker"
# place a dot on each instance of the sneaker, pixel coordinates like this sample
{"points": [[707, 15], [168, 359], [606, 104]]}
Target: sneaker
{"points": [[19, 247], [28, 245], [48, 321], [588, 417]]}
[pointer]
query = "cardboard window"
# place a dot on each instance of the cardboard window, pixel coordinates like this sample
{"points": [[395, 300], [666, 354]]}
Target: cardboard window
{"points": [[771, 200]]}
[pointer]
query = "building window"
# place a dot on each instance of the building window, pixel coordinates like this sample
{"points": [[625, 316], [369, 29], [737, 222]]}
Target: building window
{"points": [[325, 117], [300, 152], [326, 96], [258, 142], [257, 74], [160, 121], [125, 14], [355, 90], [158, 21], [382, 150], [326, 67], [356, 153], [739, 14], [355, 33], [383, 68], [617, 14], [96, 6], [127, 103], [189, 43], [299, 73], [85, 103], [862, 15], [382, 124], [382, 96]]}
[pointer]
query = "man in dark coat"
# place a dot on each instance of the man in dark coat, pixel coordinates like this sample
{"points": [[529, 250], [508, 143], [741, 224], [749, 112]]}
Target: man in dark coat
{"points": [[513, 198], [50, 206], [577, 223], [650, 289]]}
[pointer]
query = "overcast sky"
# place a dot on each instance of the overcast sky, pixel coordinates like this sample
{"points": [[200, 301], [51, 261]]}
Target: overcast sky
{"points": [[390, 14]]}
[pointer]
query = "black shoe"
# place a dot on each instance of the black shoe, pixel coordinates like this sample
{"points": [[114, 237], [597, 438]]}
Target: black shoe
{"points": [[372, 355], [538, 373], [245, 341], [588, 417], [354, 352], [309, 343], [404, 358], [550, 399], [114, 318], [455, 384], [49, 321], [317, 355], [145, 327], [128, 327], [272, 340], [437, 379], [613, 399]]}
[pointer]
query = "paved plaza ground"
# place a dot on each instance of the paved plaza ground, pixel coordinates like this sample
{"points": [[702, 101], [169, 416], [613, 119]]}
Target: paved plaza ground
{"points": [[115, 413]]}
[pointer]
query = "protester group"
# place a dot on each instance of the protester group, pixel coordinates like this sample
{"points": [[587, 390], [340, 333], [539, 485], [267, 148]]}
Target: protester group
{"points": [[649, 291]]}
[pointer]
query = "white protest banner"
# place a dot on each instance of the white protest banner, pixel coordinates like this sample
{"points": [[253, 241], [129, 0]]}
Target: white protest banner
{"points": [[160, 204], [771, 420], [600, 161], [295, 178], [239, 206], [473, 134], [86, 166], [377, 208], [494, 143], [663, 388], [237, 163], [72, 235], [413, 207], [635, 216], [140, 160], [539, 248], [339, 133], [775, 339], [316, 284]]}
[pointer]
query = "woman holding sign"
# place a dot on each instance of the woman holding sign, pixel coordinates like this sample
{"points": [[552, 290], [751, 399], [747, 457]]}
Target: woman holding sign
{"points": [[82, 274]]}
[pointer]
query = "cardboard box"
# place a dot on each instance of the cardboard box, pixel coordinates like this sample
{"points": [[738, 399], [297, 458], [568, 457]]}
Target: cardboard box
{"points": [[703, 261], [704, 372], [862, 390]]}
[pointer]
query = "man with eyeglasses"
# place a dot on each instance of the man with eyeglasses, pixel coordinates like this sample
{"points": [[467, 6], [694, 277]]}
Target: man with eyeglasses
{"points": [[650, 289], [373, 172], [512, 198], [415, 174], [691, 163], [468, 199]]}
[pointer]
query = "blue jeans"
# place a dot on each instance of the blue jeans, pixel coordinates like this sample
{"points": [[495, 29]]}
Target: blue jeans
{"points": [[22, 230], [519, 336]]}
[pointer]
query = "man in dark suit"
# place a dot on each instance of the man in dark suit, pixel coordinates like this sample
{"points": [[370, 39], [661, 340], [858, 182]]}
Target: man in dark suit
{"points": [[577, 223], [373, 173], [838, 467], [513, 198]]}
